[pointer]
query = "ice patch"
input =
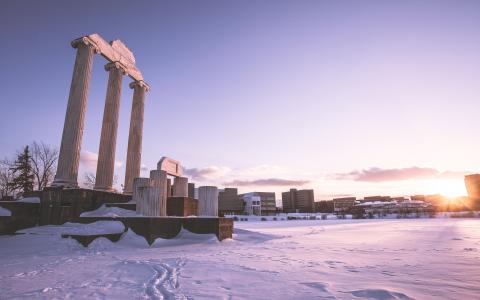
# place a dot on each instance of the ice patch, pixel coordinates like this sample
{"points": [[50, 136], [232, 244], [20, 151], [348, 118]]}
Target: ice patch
{"points": [[317, 285], [379, 294], [5, 212], [111, 212]]}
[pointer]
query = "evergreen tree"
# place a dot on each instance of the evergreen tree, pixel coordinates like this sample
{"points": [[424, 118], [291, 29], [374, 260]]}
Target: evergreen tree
{"points": [[22, 170]]}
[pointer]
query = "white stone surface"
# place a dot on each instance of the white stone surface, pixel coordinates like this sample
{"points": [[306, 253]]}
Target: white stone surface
{"points": [[108, 138], [180, 187], [208, 201]]}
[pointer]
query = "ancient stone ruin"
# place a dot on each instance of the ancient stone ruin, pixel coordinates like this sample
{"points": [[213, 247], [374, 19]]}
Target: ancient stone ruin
{"points": [[120, 62], [162, 209]]}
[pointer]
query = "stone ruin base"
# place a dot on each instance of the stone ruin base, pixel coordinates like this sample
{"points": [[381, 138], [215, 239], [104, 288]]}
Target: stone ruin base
{"points": [[24, 215], [152, 228], [57, 206]]}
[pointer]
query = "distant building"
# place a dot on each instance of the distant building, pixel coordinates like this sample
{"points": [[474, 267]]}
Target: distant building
{"points": [[472, 183], [343, 204], [376, 198], [298, 201], [229, 202], [260, 203], [417, 197], [325, 206]]}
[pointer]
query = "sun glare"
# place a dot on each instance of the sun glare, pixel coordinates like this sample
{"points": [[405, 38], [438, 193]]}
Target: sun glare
{"points": [[448, 187]]}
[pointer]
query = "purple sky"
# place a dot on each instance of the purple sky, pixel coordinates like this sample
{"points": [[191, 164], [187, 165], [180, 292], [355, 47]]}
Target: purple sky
{"points": [[346, 97]]}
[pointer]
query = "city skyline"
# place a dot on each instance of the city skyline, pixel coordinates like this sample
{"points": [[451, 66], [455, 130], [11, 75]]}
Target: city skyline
{"points": [[289, 98]]}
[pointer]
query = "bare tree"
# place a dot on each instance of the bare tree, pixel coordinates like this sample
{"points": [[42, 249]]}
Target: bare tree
{"points": [[89, 180], [6, 179], [44, 160]]}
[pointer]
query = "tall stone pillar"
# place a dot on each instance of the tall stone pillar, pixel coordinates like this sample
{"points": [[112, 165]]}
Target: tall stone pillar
{"points": [[140, 194], [180, 187], [157, 194], [108, 138], [69, 156], [134, 151], [208, 201]]}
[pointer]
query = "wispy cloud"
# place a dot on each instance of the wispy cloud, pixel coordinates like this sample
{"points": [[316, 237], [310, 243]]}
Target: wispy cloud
{"points": [[267, 182], [398, 174], [89, 160], [207, 173]]}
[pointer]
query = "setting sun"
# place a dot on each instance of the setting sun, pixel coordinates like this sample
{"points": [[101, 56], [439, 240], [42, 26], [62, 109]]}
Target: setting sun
{"points": [[448, 187]]}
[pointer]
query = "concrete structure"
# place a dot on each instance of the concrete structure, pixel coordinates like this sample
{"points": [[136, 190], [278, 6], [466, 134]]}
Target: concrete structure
{"points": [[208, 201], [376, 198], [171, 166], [108, 138], [298, 201], [182, 206], [140, 194], [325, 206], [267, 203], [157, 194], [343, 204], [229, 202], [191, 190], [134, 150], [253, 204], [180, 187], [122, 62], [472, 184]]}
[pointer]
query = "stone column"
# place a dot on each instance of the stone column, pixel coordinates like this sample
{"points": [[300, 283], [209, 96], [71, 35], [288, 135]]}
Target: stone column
{"points": [[191, 190], [169, 187], [157, 194], [108, 138], [134, 151], [69, 156], [180, 187], [140, 193], [208, 201]]}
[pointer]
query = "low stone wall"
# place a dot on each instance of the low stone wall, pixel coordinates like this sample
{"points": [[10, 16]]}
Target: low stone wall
{"points": [[60, 205], [24, 215], [152, 228]]}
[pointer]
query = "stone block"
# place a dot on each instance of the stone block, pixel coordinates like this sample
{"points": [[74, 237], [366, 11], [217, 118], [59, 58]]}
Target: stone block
{"points": [[182, 206]]}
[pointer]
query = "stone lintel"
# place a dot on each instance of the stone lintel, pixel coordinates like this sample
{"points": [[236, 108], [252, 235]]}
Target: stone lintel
{"points": [[115, 52]]}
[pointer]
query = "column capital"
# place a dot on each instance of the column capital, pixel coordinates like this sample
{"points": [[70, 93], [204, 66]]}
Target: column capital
{"points": [[85, 41], [116, 65], [141, 84]]}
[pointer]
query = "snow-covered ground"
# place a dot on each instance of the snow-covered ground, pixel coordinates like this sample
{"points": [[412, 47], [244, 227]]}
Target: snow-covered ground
{"points": [[323, 259]]}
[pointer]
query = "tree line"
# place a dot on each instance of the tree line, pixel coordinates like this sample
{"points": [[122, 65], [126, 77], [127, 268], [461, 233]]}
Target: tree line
{"points": [[31, 168]]}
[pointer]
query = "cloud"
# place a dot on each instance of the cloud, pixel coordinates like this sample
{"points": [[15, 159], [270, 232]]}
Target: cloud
{"points": [[267, 182], [207, 173], [381, 175], [89, 160], [263, 170]]}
